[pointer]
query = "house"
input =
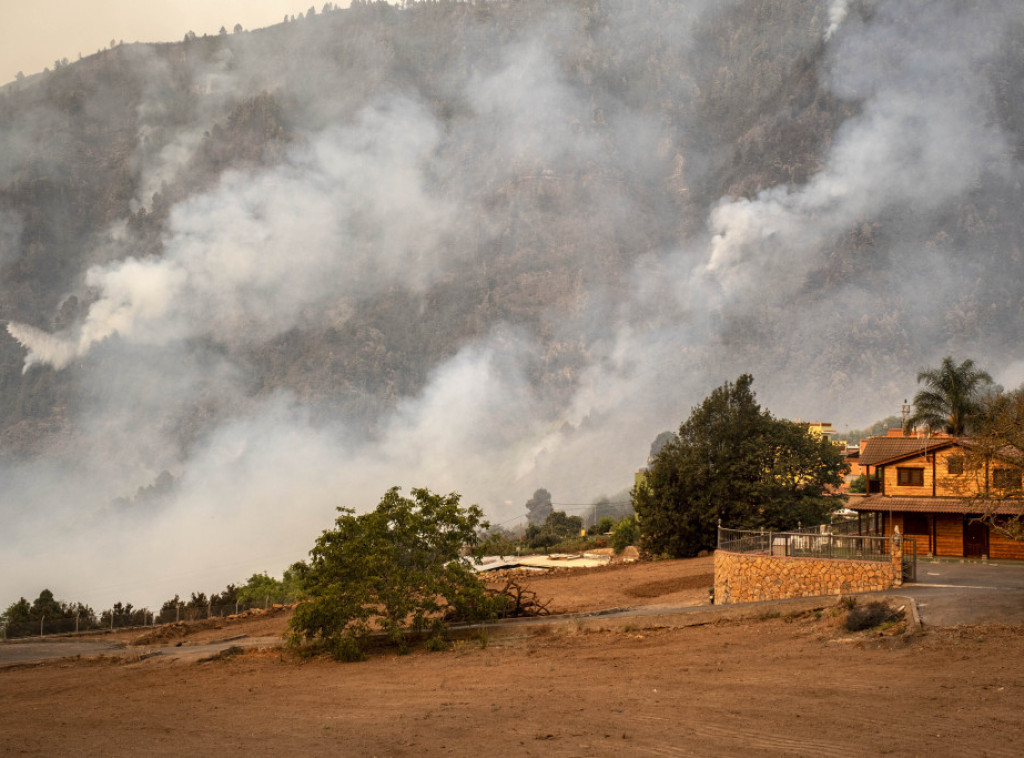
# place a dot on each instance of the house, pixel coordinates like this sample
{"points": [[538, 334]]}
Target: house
{"points": [[921, 485]]}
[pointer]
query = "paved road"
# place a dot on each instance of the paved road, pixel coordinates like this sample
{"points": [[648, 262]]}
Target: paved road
{"points": [[953, 594], [29, 651], [15, 652], [946, 593]]}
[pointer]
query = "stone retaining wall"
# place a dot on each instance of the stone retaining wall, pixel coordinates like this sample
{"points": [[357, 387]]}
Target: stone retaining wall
{"points": [[745, 578]]}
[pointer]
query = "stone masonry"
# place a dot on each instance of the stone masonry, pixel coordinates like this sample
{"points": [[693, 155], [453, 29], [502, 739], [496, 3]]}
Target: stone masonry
{"points": [[746, 578]]}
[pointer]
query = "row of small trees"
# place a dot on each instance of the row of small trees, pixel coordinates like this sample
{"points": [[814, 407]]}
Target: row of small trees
{"points": [[47, 615]]}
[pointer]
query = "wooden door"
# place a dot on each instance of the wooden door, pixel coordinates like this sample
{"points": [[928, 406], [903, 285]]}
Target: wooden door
{"points": [[975, 538]]}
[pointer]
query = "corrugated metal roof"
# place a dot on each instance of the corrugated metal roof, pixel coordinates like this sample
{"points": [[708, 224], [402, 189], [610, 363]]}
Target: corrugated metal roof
{"points": [[934, 505], [878, 450], [540, 562]]}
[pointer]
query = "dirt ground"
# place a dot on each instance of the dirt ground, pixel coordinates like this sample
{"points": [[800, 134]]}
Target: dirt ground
{"points": [[776, 686]]}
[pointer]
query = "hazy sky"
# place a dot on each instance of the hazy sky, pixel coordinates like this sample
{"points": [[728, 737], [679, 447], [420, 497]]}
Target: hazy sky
{"points": [[34, 36]]}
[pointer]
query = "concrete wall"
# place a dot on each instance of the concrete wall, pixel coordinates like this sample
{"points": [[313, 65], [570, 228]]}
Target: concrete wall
{"points": [[745, 578]]}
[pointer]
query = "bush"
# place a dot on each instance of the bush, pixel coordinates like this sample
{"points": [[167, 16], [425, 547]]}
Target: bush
{"points": [[860, 617]]}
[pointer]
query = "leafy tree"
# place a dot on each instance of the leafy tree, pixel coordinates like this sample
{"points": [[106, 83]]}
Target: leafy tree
{"points": [[45, 605], [624, 534], [169, 611], [952, 398], [539, 507], [197, 607], [397, 569], [15, 620], [859, 485], [263, 588], [733, 461], [23, 618], [501, 542], [993, 470], [122, 615], [238, 29], [557, 527]]}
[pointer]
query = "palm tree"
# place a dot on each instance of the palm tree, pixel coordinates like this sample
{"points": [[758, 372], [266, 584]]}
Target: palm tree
{"points": [[951, 400]]}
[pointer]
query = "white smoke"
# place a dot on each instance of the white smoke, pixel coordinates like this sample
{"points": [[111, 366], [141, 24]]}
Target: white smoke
{"points": [[348, 215], [365, 205], [836, 15], [923, 137]]}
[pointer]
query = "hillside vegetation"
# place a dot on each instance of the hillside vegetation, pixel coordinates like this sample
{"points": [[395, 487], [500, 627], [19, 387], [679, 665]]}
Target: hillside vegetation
{"points": [[660, 191]]}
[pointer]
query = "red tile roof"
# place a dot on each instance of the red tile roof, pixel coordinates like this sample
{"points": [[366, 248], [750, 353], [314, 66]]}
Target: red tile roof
{"points": [[880, 450], [933, 505]]}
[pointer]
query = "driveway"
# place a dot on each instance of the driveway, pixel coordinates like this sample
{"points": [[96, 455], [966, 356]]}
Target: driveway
{"points": [[950, 593]]}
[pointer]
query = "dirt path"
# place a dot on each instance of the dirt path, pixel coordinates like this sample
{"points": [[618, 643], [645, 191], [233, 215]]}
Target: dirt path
{"points": [[776, 686]]}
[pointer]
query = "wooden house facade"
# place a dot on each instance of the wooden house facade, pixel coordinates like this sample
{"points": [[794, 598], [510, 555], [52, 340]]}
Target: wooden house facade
{"points": [[922, 486]]}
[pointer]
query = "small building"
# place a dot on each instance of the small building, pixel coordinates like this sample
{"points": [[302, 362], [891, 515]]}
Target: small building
{"points": [[920, 485]]}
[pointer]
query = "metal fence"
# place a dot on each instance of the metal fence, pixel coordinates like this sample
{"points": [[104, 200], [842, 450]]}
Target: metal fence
{"points": [[805, 544], [866, 523], [136, 618]]}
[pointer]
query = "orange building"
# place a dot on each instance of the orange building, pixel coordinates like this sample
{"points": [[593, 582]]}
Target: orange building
{"points": [[922, 486]]}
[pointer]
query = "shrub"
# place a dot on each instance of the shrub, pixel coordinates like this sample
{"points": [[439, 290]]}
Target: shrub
{"points": [[860, 617]]}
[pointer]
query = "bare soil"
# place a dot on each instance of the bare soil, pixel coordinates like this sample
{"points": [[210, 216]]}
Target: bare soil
{"points": [[800, 685]]}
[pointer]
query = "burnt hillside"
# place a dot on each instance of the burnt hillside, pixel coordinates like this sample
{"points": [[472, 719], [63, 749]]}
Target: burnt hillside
{"points": [[625, 201]]}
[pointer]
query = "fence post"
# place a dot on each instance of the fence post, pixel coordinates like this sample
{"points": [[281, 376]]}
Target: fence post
{"points": [[897, 557], [718, 544], [41, 620]]}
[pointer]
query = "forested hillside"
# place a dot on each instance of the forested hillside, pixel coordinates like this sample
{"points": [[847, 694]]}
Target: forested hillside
{"points": [[491, 246]]}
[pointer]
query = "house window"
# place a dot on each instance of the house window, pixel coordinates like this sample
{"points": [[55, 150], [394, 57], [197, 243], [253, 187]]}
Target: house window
{"points": [[1006, 478], [955, 465], [910, 477]]}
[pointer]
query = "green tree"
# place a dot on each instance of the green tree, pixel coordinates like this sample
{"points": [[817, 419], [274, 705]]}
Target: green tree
{"points": [[952, 398], [263, 588], [733, 461], [15, 620], [45, 605], [397, 569], [993, 464], [624, 534], [557, 527]]}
